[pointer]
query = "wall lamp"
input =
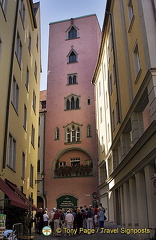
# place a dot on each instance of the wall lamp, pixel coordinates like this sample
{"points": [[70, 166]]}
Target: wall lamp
{"points": [[42, 178]]}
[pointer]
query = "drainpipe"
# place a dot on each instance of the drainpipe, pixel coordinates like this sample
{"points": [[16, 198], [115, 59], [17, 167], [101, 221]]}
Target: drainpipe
{"points": [[115, 65], [44, 192], [9, 88]]}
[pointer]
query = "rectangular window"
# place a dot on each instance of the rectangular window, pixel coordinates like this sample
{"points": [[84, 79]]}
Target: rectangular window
{"points": [[25, 118], [29, 43], [88, 101], [113, 121], [35, 70], [11, 152], [37, 42], [34, 101], [136, 60], [15, 94], [102, 142], [22, 11], [27, 79], [74, 161], [23, 165], [31, 175], [3, 3], [38, 166], [18, 49], [110, 85], [99, 89], [130, 11], [62, 164], [100, 114], [33, 136]]}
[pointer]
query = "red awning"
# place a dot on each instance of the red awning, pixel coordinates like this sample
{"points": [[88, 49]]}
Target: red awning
{"points": [[22, 195], [15, 200]]}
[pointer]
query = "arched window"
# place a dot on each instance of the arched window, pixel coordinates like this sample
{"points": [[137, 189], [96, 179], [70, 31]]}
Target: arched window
{"points": [[73, 134], [74, 79], [78, 134], [77, 103], [68, 135], [70, 80], [72, 33], [72, 57], [89, 131], [57, 133], [68, 104], [72, 103]]}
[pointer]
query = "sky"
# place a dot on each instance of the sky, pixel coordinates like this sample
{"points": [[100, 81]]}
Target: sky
{"points": [[57, 10]]}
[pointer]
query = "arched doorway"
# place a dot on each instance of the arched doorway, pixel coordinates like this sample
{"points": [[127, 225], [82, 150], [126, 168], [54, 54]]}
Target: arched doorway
{"points": [[66, 202], [40, 202]]}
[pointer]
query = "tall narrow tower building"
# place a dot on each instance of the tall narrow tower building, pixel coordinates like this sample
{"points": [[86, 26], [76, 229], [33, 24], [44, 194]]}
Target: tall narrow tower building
{"points": [[71, 141]]}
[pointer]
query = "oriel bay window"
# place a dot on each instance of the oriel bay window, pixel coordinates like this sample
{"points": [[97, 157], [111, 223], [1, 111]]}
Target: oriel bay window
{"points": [[73, 133]]}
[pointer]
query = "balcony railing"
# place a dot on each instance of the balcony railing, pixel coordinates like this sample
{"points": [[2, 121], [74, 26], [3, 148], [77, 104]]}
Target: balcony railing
{"points": [[73, 171]]}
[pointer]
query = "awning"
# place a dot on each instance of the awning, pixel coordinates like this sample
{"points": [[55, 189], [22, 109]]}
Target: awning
{"points": [[15, 200], [22, 195]]}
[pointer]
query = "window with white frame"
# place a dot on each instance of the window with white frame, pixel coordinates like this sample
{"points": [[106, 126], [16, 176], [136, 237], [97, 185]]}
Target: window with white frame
{"points": [[130, 11], [75, 161], [136, 60], [31, 175], [62, 164], [22, 10], [33, 136], [25, 118], [113, 121], [101, 115], [72, 79], [73, 133], [18, 49], [3, 3], [11, 152], [23, 165], [15, 94]]}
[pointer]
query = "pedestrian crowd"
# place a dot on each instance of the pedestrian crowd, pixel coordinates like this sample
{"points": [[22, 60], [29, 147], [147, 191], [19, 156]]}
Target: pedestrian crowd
{"points": [[85, 217]]}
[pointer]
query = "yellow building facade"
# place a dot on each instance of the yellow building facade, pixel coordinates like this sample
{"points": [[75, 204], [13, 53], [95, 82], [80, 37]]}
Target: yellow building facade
{"points": [[126, 69], [20, 68]]}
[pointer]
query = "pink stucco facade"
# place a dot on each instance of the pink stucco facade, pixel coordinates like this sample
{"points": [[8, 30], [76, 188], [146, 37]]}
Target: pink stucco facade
{"points": [[60, 148]]}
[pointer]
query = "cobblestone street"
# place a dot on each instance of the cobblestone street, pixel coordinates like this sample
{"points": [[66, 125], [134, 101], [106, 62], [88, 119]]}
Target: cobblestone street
{"points": [[95, 236]]}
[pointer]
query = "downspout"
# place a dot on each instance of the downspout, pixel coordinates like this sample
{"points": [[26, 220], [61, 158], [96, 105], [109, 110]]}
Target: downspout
{"points": [[115, 66], [44, 193], [9, 88]]}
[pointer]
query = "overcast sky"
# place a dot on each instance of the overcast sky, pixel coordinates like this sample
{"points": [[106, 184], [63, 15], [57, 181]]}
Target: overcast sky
{"points": [[56, 10]]}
